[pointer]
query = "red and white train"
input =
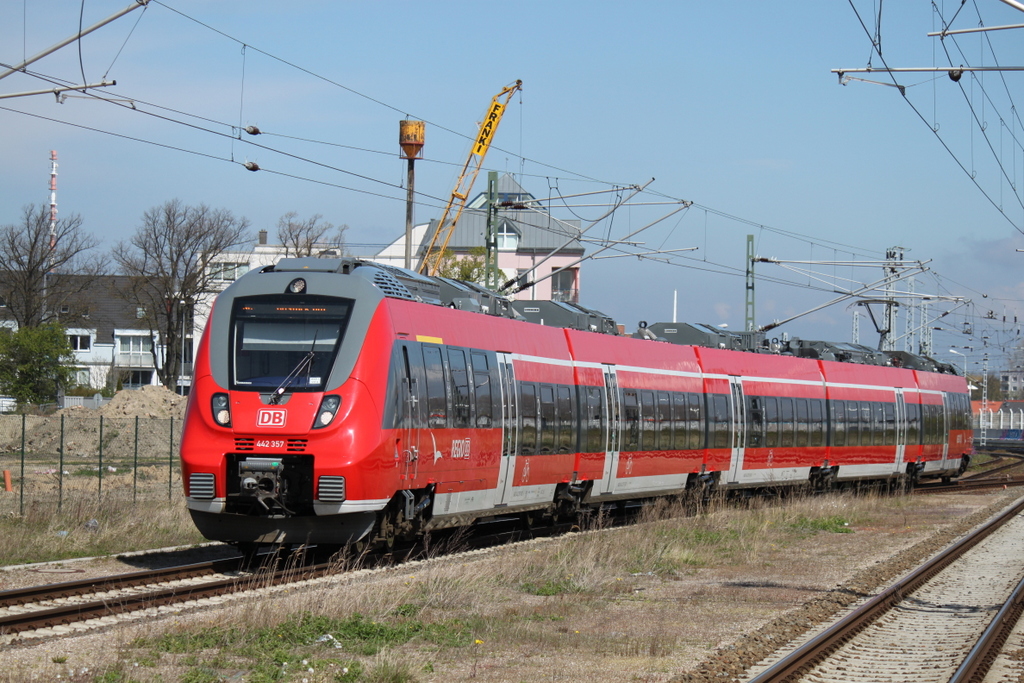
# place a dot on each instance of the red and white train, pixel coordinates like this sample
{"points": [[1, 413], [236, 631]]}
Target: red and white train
{"points": [[337, 401]]}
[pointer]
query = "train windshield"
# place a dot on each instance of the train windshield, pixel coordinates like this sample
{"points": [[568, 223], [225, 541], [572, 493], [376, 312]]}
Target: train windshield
{"points": [[284, 341]]}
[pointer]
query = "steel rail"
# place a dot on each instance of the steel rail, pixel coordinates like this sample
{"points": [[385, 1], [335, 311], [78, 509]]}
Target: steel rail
{"points": [[831, 638], [22, 596], [68, 614], [979, 660]]}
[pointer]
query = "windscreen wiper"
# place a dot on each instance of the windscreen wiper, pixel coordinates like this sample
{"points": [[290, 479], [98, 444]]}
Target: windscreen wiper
{"points": [[305, 364]]}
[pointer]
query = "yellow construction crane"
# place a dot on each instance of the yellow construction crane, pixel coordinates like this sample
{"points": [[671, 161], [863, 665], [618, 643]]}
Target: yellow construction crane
{"points": [[431, 262]]}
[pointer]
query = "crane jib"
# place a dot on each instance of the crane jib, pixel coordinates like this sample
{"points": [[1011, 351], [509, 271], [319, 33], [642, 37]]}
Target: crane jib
{"points": [[487, 128]]}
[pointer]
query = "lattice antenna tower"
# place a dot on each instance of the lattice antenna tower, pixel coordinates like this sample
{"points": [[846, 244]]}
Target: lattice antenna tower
{"points": [[53, 204]]}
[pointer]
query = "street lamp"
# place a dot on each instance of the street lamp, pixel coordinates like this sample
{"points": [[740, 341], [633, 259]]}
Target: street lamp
{"points": [[965, 359]]}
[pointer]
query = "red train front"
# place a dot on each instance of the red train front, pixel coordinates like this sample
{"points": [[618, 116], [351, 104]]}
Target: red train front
{"points": [[282, 408]]}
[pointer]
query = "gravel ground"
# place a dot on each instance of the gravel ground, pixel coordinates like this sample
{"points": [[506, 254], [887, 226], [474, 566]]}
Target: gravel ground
{"points": [[708, 625]]}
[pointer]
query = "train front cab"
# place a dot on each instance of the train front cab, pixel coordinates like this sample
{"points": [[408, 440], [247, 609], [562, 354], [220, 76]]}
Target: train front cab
{"points": [[282, 422]]}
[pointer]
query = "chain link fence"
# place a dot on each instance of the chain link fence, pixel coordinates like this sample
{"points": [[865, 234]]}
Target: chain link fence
{"points": [[54, 458]]}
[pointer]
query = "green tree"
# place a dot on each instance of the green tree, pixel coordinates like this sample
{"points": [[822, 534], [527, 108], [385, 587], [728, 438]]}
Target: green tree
{"points": [[35, 363], [470, 268]]}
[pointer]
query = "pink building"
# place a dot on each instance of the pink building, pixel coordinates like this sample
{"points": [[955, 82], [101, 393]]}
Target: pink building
{"points": [[531, 242]]}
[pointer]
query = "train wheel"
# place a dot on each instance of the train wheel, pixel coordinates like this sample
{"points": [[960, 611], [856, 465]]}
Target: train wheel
{"points": [[357, 548], [387, 531]]}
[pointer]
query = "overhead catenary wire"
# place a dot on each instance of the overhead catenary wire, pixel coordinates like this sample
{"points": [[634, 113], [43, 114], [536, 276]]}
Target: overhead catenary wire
{"points": [[788, 234], [933, 128]]}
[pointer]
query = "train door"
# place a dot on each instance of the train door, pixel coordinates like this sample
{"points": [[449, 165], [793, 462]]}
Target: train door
{"points": [[411, 419], [611, 457], [946, 415], [509, 426], [901, 430], [737, 427]]}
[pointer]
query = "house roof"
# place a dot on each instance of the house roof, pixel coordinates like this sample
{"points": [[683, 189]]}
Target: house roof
{"points": [[99, 307], [538, 231]]}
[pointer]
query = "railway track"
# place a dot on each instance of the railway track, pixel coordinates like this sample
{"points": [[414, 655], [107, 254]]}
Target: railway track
{"points": [[944, 621], [56, 609]]}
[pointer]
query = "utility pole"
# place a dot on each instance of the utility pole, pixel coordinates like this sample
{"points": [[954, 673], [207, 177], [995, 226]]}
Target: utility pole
{"points": [[749, 323], [893, 258], [492, 276]]}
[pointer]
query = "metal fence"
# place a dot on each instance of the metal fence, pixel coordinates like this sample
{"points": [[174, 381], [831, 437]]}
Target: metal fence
{"points": [[49, 459]]}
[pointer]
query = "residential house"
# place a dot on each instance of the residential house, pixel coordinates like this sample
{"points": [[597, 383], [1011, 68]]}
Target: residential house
{"points": [[532, 244]]}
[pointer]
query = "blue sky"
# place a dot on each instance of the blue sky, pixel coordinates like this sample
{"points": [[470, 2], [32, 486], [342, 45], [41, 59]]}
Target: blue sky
{"points": [[729, 105]]}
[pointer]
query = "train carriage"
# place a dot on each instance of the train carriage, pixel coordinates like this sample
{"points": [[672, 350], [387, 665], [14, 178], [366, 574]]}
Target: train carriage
{"points": [[338, 401]]}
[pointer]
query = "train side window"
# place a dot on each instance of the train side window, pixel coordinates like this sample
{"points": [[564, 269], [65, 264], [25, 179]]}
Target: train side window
{"points": [[877, 423], [460, 388], [395, 414], [648, 423], [631, 413], [771, 422], [680, 409], [787, 429], [890, 423], [755, 427], [719, 421], [866, 424], [817, 422], [852, 423], [594, 436], [913, 423], [664, 418], [695, 421], [803, 422], [437, 399], [528, 415], [935, 424], [548, 426], [838, 423], [565, 421], [482, 390]]}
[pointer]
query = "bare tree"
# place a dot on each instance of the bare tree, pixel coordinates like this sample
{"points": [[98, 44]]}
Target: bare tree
{"points": [[168, 262], [41, 274], [311, 237]]}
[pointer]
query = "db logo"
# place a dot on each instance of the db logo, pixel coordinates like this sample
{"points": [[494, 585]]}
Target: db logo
{"points": [[271, 418]]}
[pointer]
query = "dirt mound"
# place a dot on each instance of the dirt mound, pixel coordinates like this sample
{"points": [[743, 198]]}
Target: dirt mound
{"points": [[149, 401], [80, 430]]}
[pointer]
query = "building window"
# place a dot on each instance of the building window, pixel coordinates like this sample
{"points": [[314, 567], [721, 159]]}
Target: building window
{"points": [[137, 378], [82, 377], [136, 344], [65, 309], [79, 342], [140, 312], [508, 239], [226, 271], [563, 286]]}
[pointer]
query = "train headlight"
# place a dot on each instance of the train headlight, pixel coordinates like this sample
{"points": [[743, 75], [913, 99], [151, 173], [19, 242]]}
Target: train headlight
{"points": [[221, 411], [328, 409], [297, 286]]}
